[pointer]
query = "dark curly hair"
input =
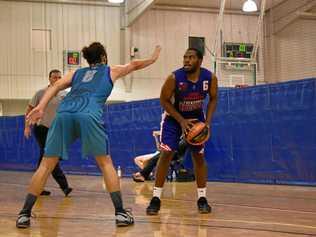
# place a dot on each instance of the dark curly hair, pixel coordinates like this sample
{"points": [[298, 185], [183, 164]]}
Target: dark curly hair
{"points": [[198, 53], [54, 71], [94, 53]]}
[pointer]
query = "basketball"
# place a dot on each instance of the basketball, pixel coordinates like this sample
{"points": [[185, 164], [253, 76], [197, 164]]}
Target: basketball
{"points": [[198, 134]]}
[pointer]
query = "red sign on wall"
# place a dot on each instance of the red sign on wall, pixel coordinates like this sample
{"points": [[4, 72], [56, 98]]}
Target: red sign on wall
{"points": [[73, 58]]}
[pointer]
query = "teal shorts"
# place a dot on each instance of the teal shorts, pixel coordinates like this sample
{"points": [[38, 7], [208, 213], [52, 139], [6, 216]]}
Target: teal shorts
{"points": [[67, 127]]}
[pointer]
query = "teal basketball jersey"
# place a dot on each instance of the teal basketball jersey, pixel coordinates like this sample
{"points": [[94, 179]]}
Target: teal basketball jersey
{"points": [[91, 86]]}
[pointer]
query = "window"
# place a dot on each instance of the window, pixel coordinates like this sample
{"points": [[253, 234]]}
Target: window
{"points": [[197, 43]]}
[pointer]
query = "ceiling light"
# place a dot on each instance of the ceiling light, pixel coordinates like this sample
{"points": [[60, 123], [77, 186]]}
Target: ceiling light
{"points": [[249, 6], [116, 1]]}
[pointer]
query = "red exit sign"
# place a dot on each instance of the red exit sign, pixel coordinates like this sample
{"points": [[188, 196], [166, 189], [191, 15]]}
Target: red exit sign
{"points": [[73, 58]]}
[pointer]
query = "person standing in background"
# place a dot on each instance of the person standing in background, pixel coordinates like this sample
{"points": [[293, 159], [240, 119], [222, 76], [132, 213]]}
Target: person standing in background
{"points": [[40, 129]]}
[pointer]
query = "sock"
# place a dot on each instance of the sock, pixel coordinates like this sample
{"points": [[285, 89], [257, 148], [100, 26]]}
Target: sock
{"points": [[157, 192], [201, 192], [30, 200], [117, 201]]}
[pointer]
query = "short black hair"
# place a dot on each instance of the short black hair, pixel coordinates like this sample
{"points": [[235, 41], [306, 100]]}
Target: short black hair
{"points": [[94, 53], [54, 71], [199, 54]]}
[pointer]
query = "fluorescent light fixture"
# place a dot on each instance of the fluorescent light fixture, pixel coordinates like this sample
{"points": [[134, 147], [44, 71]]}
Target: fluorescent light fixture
{"points": [[249, 6], [116, 1]]}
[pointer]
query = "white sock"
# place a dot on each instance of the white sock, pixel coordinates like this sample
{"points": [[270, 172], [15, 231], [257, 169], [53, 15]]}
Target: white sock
{"points": [[201, 192], [157, 192]]}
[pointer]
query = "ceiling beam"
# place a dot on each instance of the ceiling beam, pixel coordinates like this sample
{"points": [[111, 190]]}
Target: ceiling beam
{"points": [[72, 2], [291, 10], [307, 15], [133, 14], [200, 9]]}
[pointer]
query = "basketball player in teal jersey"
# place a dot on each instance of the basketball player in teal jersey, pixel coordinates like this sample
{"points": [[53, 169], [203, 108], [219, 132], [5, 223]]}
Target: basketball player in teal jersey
{"points": [[79, 115]]}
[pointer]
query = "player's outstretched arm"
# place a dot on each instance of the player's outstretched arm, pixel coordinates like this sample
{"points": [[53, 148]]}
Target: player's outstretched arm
{"points": [[37, 113], [119, 71]]}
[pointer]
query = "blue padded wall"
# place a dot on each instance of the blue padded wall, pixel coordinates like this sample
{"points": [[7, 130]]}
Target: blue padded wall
{"points": [[265, 134], [262, 134], [16, 153]]}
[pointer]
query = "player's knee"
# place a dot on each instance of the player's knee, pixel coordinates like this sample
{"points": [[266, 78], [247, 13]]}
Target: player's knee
{"points": [[46, 167], [104, 162], [199, 159], [166, 156], [138, 161]]}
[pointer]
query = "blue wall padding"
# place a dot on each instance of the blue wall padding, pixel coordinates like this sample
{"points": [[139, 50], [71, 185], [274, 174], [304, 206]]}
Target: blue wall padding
{"points": [[261, 134], [265, 134], [16, 153], [130, 127]]}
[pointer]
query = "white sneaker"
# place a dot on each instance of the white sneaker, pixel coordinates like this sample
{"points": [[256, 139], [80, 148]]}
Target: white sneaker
{"points": [[124, 218]]}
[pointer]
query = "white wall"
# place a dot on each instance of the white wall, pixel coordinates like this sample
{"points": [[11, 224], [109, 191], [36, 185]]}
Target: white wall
{"points": [[24, 70], [290, 42], [13, 107], [294, 52], [171, 30]]}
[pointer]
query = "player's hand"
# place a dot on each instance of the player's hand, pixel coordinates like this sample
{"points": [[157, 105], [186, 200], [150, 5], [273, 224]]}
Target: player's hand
{"points": [[35, 115], [27, 132], [186, 125], [156, 53]]}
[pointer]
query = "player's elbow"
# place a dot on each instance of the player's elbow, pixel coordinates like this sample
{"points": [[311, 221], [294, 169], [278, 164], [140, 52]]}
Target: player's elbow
{"points": [[134, 65], [164, 102], [214, 97], [213, 100], [58, 86]]}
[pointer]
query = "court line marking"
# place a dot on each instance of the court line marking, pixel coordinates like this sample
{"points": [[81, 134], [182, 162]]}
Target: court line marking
{"points": [[168, 222], [177, 200]]}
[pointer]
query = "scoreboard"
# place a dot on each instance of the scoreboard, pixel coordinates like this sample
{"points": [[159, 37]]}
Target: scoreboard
{"points": [[237, 50], [72, 60]]}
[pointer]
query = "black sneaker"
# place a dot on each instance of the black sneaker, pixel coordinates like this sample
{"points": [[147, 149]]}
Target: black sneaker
{"points": [[203, 206], [67, 191], [45, 193], [23, 221], [124, 218], [154, 206]]}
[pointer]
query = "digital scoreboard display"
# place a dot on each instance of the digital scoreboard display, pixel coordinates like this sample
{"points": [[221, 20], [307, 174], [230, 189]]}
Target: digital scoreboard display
{"points": [[73, 58], [237, 50]]}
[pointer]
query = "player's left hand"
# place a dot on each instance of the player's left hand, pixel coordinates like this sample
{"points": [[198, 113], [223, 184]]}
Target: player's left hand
{"points": [[186, 125], [156, 53], [35, 115], [27, 132]]}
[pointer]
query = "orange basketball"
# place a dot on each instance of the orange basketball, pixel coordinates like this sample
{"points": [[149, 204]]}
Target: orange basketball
{"points": [[198, 134]]}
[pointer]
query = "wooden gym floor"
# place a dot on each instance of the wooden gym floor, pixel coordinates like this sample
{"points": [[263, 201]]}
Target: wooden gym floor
{"points": [[246, 210]]}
